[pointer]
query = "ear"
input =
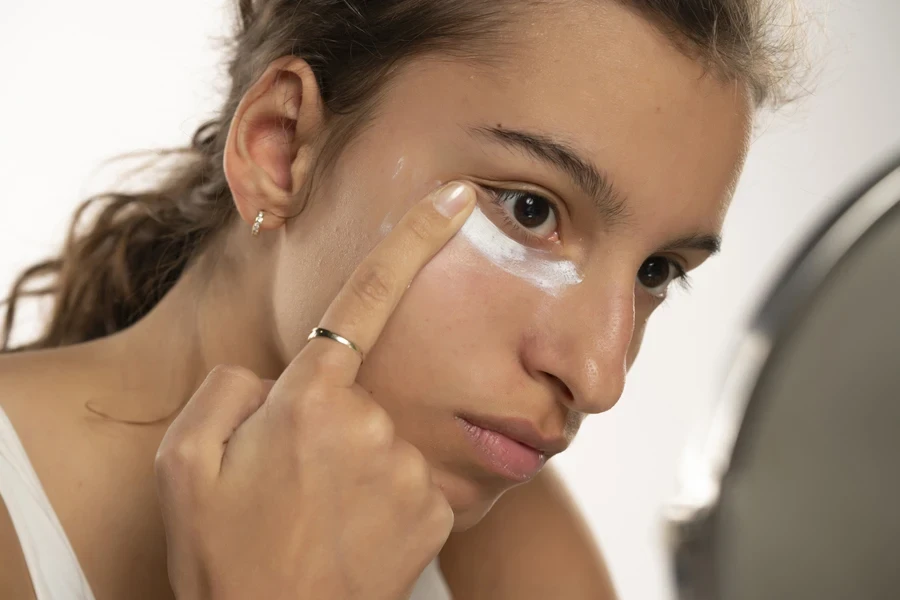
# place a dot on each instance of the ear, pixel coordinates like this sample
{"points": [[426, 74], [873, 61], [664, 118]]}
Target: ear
{"points": [[269, 150]]}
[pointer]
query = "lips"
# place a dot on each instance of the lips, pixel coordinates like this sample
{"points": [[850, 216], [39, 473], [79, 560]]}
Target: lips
{"points": [[510, 448]]}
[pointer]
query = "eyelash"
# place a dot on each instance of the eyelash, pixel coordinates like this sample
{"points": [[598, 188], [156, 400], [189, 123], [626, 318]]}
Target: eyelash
{"points": [[500, 195], [684, 280]]}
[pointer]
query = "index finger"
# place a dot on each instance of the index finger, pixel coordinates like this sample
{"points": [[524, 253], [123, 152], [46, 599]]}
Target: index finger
{"points": [[365, 303]]}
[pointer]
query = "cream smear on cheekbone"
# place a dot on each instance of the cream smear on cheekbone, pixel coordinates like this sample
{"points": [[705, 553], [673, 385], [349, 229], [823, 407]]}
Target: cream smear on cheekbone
{"points": [[548, 273], [399, 168]]}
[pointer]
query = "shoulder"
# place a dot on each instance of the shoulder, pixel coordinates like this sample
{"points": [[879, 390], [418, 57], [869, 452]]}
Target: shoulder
{"points": [[44, 394], [35, 372], [97, 473], [33, 396], [26, 376], [15, 581], [40, 395], [43, 401]]}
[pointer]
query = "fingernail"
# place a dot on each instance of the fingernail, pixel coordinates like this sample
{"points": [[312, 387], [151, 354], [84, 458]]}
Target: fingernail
{"points": [[452, 199]]}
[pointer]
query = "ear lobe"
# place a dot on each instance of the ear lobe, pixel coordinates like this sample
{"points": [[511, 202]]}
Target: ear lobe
{"points": [[269, 149]]}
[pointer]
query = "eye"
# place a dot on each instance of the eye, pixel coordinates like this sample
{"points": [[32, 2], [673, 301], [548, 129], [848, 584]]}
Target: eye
{"points": [[528, 211], [657, 273]]}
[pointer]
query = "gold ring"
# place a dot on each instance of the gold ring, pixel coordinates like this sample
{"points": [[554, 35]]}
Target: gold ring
{"points": [[322, 332]]}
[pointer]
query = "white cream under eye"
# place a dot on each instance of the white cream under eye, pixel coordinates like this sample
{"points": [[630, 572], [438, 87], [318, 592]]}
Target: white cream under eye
{"points": [[538, 267]]}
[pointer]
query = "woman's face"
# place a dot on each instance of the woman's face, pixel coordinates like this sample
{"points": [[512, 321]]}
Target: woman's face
{"points": [[604, 162]]}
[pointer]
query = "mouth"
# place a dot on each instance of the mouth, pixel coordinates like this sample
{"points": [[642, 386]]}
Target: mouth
{"points": [[511, 448]]}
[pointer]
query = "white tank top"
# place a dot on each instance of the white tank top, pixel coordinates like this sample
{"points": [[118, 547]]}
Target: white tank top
{"points": [[52, 564]]}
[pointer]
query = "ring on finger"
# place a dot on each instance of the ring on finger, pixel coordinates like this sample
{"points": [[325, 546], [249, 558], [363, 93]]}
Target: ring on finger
{"points": [[322, 332]]}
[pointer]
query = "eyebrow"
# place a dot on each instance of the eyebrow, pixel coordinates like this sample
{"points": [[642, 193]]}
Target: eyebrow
{"points": [[593, 182], [711, 244]]}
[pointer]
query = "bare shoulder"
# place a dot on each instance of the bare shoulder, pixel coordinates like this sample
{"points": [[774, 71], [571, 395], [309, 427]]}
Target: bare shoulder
{"points": [[44, 393], [26, 375], [97, 473], [33, 396], [14, 579]]}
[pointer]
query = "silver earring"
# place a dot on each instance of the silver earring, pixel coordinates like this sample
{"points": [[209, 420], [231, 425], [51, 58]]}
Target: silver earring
{"points": [[257, 223]]}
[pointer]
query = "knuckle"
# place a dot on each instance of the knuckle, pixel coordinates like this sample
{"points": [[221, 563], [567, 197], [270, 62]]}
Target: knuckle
{"points": [[412, 471], [377, 428], [435, 520], [315, 415], [324, 368], [440, 508], [177, 458], [299, 409], [160, 463], [442, 517], [372, 284], [225, 371], [421, 226]]}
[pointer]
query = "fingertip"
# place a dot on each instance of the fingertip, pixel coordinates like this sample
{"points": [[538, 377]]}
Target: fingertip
{"points": [[454, 198]]}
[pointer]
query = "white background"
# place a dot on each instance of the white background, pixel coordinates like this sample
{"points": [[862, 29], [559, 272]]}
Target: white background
{"points": [[83, 81]]}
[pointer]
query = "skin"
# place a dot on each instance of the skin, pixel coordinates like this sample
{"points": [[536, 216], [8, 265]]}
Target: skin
{"points": [[466, 338]]}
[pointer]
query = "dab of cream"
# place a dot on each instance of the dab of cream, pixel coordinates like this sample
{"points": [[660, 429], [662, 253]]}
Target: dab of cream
{"points": [[399, 167], [387, 225], [538, 268]]}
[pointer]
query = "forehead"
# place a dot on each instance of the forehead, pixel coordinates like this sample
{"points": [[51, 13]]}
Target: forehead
{"points": [[607, 82]]}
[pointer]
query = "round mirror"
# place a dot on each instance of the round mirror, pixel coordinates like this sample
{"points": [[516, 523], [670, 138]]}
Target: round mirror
{"points": [[794, 494]]}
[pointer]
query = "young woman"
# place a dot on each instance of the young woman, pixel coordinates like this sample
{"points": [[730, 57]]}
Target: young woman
{"points": [[475, 207]]}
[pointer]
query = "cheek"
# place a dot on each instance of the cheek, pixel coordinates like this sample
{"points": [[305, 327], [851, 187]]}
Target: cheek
{"points": [[494, 296], [460, 323], [460, 304], [637, 338]]}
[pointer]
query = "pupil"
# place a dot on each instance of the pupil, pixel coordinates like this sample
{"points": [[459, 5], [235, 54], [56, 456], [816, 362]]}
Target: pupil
{"points": [[531, 212], [654, 272]]}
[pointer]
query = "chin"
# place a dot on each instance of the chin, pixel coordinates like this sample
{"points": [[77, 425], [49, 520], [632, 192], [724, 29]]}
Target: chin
{"points": [[470, 500], [464, 518]]}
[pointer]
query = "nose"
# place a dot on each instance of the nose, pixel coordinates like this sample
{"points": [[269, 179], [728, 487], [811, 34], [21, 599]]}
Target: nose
{"points": [[581, 341]]}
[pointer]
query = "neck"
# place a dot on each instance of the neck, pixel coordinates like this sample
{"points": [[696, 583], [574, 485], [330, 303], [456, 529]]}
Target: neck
{"points": [[215, 314]]}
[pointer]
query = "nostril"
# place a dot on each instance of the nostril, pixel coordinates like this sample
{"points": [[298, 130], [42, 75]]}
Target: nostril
{"points": [[561, 386]]}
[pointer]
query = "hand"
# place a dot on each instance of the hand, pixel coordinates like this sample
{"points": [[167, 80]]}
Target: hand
{"points": [[299, 488]]}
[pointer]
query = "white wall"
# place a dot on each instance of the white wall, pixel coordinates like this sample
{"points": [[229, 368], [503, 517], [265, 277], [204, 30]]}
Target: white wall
{"points": [[83, 81]]}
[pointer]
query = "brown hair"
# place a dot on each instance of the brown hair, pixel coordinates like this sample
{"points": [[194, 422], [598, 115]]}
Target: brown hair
{"points": [[113, 271]]}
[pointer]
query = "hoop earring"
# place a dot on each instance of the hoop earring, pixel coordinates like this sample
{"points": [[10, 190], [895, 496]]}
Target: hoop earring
{"points": [[257, 223]]}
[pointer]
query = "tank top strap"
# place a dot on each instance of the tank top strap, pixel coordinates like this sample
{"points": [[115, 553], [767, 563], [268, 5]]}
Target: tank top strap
{"points": [[52, 564]]}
